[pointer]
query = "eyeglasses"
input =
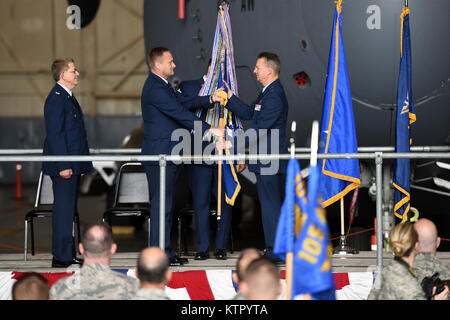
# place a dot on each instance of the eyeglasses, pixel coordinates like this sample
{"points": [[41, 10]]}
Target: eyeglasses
{"points": [[72, 71]]}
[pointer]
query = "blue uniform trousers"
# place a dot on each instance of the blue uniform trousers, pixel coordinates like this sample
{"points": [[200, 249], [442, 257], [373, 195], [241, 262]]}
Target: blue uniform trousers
{"points": [[65, 194], [204, 181], [153, 178], [270, 197]]}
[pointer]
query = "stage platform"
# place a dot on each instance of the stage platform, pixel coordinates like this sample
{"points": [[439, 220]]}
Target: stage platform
{"points": [[361, 262], [247, 233]]}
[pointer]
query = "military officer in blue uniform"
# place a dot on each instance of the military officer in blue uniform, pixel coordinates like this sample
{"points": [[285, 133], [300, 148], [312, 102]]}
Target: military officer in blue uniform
{"points": [[165, 110], [269, 116], [65, 135], [203, 182]]}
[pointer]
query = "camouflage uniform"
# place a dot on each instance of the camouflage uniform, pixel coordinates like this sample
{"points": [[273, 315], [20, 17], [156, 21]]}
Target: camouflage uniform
{"points": [[239, 296], [95, 281], [150, 294], [426, 264], [397, 281]]}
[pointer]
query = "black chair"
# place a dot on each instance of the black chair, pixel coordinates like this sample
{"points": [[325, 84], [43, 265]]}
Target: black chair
{"points": [[43, 208], [189, 211], [131, 196]]}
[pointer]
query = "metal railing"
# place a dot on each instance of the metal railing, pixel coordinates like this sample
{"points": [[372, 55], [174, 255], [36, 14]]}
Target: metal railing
{"points": [[375, 153], [297, 150]]}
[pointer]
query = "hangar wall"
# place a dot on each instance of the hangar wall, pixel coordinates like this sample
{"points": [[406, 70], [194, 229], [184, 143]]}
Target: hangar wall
{"points": [[109, 52]]}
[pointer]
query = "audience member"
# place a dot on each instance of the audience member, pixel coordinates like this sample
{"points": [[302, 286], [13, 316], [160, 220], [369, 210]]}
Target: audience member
{"points": [[261, 280], [96, 280], [426, 263], [153, 273], [398, 281], [31, 286], [246, 257]]}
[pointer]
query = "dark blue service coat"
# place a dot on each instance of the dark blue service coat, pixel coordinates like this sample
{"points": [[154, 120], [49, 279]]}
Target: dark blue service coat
{"points": [[165, 110], [191, 88], [66, 133], [269, 111], [203, 181]]}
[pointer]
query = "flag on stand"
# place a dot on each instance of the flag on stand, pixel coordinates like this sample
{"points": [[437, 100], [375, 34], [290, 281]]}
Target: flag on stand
{"points": [[223, 69], [405, 116], [337, 129]]}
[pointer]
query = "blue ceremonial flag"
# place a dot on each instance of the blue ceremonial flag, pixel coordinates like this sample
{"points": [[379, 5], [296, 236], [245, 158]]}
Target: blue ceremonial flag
{"points": [[337, 128], [312, 272], [230, 181], [405, 116], [291, 211], [303, 229], [223, 69], [229, 176]]}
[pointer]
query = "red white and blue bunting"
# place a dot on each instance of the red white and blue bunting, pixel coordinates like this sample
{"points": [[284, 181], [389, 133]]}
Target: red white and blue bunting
{"points": [[212, 284]]}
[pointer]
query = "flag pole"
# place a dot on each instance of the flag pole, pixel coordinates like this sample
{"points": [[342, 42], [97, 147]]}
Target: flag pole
{"points": [[219, 173], [343, 248], [290, 255], [342, 217], [314, 143], [313, 162], [219, 165]]}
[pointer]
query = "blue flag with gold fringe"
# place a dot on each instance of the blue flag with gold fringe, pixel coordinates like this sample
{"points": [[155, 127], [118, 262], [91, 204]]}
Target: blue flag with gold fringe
{"points": [[337, 129], [291, 211], [303, 229], [405, 116], [229, 176], [312, 259]]}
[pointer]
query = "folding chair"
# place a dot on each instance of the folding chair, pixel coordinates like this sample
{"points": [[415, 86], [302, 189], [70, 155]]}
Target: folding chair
{"points": [[43, 207], [131, 196]]}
